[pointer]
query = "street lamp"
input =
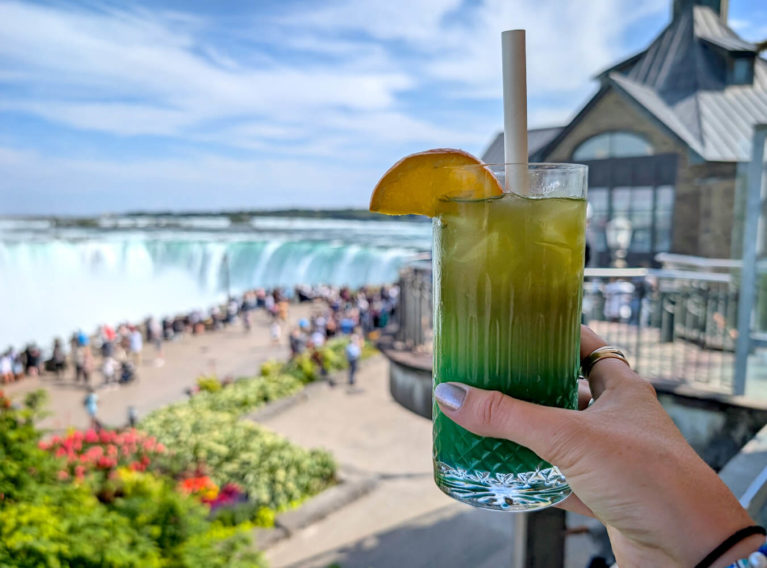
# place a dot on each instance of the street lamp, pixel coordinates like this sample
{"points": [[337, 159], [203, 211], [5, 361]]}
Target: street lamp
{"points": [[619, 232]]}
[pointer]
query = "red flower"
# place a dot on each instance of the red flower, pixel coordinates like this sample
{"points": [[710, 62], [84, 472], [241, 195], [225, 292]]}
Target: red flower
{"points": [[106, 463], [91, 437]]}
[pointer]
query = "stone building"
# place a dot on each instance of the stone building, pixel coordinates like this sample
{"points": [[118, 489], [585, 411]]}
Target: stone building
{"points": [[667, 138]]}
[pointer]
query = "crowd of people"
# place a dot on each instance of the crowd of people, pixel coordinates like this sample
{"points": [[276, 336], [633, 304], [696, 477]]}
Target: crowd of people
{"points": [[341, 311], [114, 354]]}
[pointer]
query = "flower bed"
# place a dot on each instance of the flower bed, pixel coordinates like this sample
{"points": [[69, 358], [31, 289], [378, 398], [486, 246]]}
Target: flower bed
{"points": [[104, 450], [109, 514], [183, 491], [273, 472]]}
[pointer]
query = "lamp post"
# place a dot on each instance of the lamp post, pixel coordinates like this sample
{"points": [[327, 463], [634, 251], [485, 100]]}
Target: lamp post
{"points": [[619, 232]]}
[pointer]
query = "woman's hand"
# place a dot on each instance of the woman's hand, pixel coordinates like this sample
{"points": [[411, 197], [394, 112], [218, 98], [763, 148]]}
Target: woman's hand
{"points": [[627, 463]]}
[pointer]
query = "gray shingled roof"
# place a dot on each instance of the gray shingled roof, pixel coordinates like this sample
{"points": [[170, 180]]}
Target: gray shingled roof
{"points": [[537, 138], [681, 82]]}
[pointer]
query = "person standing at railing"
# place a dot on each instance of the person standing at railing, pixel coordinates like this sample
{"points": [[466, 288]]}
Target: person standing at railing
{"points": [[618, 295]]}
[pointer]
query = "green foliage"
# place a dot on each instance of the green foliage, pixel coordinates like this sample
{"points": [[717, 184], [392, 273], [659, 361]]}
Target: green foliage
{"points": [[257, 516], [69, 527], [272, 471], [302, 368], [271, 367], [305, 366], [247, 394], [179, 524], [209, 384], [47, 521], [24, 468]]}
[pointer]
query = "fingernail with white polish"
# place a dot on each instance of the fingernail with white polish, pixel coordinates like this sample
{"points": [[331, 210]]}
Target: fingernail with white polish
{"points": [[451, 395]]}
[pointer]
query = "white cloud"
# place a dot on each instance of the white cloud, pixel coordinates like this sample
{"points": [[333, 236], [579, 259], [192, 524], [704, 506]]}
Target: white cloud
{"points": [[320, 87], [202, 181]]}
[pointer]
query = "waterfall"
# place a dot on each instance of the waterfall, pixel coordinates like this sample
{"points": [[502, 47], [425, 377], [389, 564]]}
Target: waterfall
{"points": [[53, 281]]}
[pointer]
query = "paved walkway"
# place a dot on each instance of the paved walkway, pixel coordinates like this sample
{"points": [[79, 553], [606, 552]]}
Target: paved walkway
{"points": [[405, 521], [226, 352]]}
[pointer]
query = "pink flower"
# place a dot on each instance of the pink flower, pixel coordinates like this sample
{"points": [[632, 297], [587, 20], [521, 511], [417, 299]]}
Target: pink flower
{"points": [[106, 463], [112, 450], [91, 437], [63, 475], [94, 452], [79, 472], [107, 436], [43, 445]]}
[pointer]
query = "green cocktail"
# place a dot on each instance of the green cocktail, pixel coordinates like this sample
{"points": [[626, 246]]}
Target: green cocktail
{"points": [[508, 280]]}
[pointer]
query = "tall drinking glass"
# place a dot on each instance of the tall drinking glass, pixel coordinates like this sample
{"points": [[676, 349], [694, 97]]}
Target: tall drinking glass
{"points": [[508, 282]]}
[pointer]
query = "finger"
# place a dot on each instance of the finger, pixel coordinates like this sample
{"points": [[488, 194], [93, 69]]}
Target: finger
{"points": [[607, 373], [574, 504], [584, 394], [590, 341], [495, 415]]}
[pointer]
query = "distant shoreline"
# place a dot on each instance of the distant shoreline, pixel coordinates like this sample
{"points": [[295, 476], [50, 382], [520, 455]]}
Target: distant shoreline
{"points": [[235, 216]]}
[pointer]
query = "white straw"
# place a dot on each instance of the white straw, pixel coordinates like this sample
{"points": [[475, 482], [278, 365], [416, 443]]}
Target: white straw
{"points": [[515, 110]]}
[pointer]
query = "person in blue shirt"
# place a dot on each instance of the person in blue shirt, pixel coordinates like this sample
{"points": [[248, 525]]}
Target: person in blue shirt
{"points": [[91, 404], [353, 353]]}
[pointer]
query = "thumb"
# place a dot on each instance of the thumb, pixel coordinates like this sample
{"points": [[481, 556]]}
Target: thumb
{"points": [[543, 429]]}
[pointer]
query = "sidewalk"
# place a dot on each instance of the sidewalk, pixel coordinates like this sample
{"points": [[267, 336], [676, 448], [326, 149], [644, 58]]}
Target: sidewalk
{"points": [[226, 352], [405, 521]]}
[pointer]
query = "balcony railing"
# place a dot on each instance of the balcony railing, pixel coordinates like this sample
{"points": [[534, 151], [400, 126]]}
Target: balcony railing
{"points": [[674, 325]]}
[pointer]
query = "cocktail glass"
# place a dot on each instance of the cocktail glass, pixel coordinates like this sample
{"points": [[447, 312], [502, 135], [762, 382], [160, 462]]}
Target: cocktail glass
{"points": [[508, 282]]}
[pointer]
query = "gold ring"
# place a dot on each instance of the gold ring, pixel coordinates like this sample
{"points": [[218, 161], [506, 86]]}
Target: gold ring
{"points": [[606, 352]]}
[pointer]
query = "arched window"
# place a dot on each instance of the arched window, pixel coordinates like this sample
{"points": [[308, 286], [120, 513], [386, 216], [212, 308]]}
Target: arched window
{"points": [[612, 145]]}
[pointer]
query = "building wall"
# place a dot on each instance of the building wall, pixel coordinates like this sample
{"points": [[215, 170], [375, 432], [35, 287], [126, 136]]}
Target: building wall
{"points": [[703, 208]]}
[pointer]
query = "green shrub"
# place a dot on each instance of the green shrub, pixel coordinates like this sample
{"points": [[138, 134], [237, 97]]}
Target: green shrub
{"points": [[302, 368], [24, 467], [272, 471], [48, 521], [271, 367], [247, 394], [209, 384]]}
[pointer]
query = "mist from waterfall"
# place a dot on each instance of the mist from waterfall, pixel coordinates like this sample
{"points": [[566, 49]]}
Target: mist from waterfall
{"points": [[54, 280]]}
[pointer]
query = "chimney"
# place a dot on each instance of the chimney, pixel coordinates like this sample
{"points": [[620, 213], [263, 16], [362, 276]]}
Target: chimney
{"points": [[720, 7]]}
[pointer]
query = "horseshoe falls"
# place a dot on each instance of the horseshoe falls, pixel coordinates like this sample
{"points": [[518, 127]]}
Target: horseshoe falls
{"points": [[54, 280]]}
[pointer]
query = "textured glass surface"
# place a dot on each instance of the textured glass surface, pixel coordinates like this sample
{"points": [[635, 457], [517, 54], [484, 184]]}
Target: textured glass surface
{"points": [[508, 281]]}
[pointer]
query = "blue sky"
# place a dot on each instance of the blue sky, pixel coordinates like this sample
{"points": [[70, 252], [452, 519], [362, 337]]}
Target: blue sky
{"points": [[201, 105]]}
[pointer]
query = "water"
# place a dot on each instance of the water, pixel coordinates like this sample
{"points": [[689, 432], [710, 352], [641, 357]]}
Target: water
{"points": [[56, 279]]}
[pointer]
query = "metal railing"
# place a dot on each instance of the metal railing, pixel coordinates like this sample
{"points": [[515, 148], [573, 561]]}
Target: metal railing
{"points": [[674, 325], [415, 314]]}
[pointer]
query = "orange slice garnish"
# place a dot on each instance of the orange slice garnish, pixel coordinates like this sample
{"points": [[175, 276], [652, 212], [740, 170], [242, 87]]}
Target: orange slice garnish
{"points": [[420, 183]]}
